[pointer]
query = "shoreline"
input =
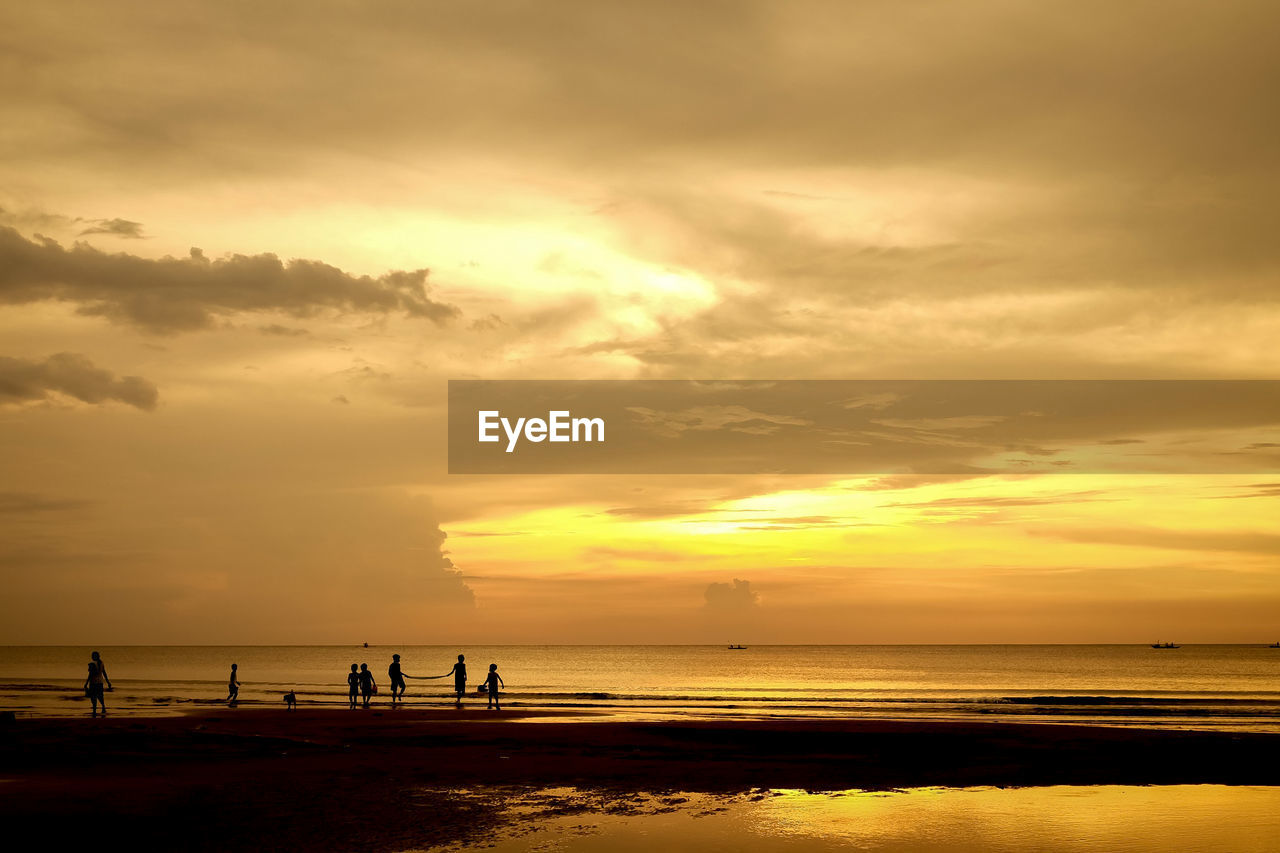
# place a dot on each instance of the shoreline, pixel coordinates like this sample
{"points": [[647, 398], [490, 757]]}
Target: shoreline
{"points": [[382, 779]]}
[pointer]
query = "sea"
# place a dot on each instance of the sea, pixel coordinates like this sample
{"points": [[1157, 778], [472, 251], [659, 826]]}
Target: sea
{"points": [[1221, 687]]}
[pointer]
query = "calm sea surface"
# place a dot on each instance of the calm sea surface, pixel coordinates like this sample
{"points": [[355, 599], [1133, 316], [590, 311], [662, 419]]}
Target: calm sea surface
{"points": [[1221, 687], [1095, 819]]}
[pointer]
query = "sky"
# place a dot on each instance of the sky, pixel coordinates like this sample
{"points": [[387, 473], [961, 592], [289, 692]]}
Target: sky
{"points": [[243, 248]]}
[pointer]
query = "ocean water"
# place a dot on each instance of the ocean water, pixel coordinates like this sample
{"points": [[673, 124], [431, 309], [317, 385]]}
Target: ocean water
{"points": [[1211, 686], [1059, 819]]}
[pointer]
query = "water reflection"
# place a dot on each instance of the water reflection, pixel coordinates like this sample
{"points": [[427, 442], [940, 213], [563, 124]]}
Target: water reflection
{"points": [[1063, 819]]}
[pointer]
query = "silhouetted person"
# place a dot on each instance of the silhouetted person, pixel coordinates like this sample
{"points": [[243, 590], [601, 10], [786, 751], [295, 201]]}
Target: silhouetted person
{"points": [[102, 669], [397, 679], [492, 682], [233, 686], [353, 685], [93, 688], [459, 673], [366, 684]]}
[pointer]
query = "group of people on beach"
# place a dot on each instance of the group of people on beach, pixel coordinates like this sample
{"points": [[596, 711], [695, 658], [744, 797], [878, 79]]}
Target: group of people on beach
{"points": [[360, 684], [362, 687]]}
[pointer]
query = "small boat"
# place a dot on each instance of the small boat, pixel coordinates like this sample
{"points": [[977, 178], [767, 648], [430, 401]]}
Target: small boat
{"points": [[735, 648], [1274, 646], [1165, 646]]}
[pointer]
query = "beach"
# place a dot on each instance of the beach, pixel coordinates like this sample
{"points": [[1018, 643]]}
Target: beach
{"points": [[403, 779]]}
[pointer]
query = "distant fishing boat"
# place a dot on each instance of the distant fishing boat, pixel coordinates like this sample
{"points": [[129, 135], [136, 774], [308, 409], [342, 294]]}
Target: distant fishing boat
{"points": [[734, 648], [1165, 646], [1274, 646]]}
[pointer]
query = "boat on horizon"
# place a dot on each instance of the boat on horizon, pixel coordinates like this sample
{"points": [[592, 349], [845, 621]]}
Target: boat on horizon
{"points": [[735, 648], [1274, 646], [1165, 646]]}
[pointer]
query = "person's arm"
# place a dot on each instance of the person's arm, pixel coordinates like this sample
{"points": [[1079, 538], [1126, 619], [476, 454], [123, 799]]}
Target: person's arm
{"points": [[501, 683], [103, 669]]}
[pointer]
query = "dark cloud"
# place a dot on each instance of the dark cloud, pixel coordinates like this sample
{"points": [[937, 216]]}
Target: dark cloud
{"points": [[21, 503], [180, 294], [22, 381], [1260, 490], [731, 598], [283, 331], [115, 227]]}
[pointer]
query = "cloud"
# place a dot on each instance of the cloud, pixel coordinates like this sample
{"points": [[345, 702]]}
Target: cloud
{"points": [[605, 553], [283, 331], [22, 503], [666, 509], [704, 418], [23, 381], [1260, 490], [181, 294], [996, 501], [115, 227], [440, 579], [33, 218], [1232, 541], [731, 598]]}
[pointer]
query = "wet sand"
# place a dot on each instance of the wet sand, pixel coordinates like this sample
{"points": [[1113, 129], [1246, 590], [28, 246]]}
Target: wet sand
{"points": [[381, 780]]}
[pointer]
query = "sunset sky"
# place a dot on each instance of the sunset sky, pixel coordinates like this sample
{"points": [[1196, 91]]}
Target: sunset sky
{"points": [[244, 247]]}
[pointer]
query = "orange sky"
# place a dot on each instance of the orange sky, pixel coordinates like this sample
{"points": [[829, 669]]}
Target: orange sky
{"points": [[244, 442]]}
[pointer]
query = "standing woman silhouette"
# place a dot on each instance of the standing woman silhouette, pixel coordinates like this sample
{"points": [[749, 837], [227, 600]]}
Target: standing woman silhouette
{"points": [[102, 670], [93, 688]]}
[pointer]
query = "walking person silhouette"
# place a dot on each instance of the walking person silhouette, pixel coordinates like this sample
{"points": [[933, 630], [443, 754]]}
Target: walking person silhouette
{"points": [[367, 687], [102, 670], [459, 673], [93, 688], [492, 682], [397, 680], [353, 686]]}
